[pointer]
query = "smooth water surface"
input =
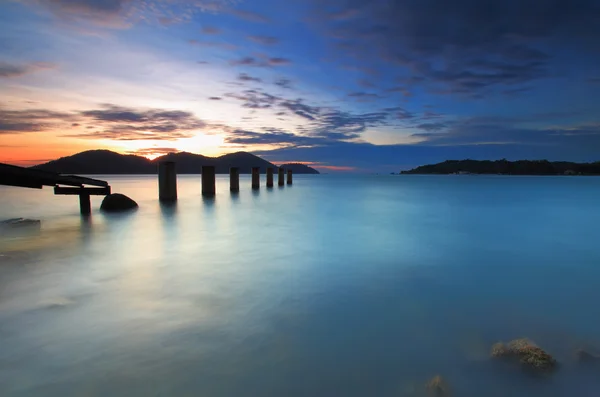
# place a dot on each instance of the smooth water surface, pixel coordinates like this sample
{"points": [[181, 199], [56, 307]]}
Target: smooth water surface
{"points": [[335, 286]]}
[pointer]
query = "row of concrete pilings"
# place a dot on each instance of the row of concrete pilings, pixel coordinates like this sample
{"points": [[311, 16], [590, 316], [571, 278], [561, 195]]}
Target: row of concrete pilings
{"points": [[167, 180]]}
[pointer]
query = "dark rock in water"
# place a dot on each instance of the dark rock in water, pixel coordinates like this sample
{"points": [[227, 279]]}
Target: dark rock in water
{"points": [[437, 387], [584, 356], [117, 202], [529, 354], [20, 222]]}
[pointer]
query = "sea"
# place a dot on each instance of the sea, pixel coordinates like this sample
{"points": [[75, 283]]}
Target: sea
{"points": [[335, 286]]}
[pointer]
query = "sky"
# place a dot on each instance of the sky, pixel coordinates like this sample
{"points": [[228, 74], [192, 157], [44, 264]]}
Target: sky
{"points": [[342, 85]]}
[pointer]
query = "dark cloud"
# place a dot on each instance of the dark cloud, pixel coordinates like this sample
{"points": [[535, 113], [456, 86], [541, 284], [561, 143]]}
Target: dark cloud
{"points": [[16, 70], [364, 96], [299, 108], [499, 131], [32, 120], [337, 124], [254, 99], [123, 123], [244, 77], [431, 126], [466, 47], [399, 113], [265, 62], [272, 137], [264, 40], [284, 83], [215, 98], [428, 115]]}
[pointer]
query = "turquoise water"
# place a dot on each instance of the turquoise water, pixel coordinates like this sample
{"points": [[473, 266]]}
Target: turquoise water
{"points": [[336, 286]]}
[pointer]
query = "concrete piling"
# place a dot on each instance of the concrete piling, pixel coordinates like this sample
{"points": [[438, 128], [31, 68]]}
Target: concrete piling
{"points": [[281, 174], [269, 177], [289, 177], [85, 204], [255, 177], [234, 179], [167, 181], [208, 180]]}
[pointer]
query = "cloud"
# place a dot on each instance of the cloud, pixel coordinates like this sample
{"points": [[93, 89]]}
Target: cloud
{"points": [[254, 99], [215, 98], [432, 43], [505, 131], [153, 151], [399, 113], [428, 115], [431, 126], [125, 124], [278, 61], [364, 96], [264, 40], [9, 70], [246, 77], [299, 108], [284, 83], [210, 30], [213, 44], [272, 137], [265, 62], [32, 120], [120, 14]]}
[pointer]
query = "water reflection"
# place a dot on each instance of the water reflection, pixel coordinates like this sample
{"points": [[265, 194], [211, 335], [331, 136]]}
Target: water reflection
{"points": [[350, 287]]}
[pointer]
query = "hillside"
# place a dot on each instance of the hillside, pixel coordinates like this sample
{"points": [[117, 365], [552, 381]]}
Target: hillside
{"points": [[504, 167], [298, 168], [107, 162]]}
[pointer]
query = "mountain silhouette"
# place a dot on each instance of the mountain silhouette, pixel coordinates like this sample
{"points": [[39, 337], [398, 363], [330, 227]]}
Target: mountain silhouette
{"points": [[298, 168], [108, 162]]}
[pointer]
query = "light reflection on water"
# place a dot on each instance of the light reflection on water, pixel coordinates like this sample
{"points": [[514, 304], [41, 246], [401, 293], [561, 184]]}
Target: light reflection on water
{"points": [[345, 286]]}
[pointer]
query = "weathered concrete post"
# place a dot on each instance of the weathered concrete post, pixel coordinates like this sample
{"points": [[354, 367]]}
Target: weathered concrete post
{"points": [[85, 205], [167, 181], [281, 174], [269, 177], [208, 180], [255, 177], [234, 179], [289, 177]]}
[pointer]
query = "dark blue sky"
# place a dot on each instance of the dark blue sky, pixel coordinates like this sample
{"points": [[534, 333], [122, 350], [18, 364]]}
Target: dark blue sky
{"points": [[372, 86]]}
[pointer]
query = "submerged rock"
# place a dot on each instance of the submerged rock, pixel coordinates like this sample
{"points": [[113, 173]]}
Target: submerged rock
{"points": [[117, 202], [19, 222], [529, 354], [437, 387], [584, 356]]}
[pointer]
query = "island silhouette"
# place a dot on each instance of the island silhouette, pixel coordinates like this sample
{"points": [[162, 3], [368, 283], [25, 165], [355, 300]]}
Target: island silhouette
{"points": [[107, 162]]}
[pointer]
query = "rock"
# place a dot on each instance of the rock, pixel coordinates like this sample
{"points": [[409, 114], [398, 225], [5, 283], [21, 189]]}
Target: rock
{"points": [[583, 356], [529, 354], [437, 387], [117, 202], [20, 222]]}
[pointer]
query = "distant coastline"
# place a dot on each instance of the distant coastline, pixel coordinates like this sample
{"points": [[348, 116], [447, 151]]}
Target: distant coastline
{"points": [[505, 167], [106, 162]]}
